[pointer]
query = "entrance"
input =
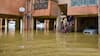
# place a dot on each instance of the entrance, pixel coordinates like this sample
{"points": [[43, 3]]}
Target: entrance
{"points": [[87, 22], [3, 25], [10, 24], [44, 24]]}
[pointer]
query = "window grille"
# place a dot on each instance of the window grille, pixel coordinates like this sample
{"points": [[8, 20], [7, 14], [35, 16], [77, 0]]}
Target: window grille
{"points": [[83, 2]]}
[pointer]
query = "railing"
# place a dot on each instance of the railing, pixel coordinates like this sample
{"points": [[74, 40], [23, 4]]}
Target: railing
{"points": [[83, 2], [40, 6]]}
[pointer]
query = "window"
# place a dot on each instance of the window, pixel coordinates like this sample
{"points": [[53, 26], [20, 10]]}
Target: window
{"points": [[83, 2], [92, 2], [41, 4]]}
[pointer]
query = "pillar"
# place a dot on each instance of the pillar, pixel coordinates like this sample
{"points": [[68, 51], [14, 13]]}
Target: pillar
{"points": [[46, 23], [36, 24], [33, 23], [28, 16], [0, 26], [75, 24], [28, 24], [6, 24], [21, 26], [17, 24], [99, 31], [58, 23], [99, 24], [98, 18], [24, 23]]}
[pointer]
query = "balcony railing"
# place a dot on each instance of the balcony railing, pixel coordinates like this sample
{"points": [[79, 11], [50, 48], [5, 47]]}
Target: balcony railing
{"points": [[40, 6], [83, 2]]}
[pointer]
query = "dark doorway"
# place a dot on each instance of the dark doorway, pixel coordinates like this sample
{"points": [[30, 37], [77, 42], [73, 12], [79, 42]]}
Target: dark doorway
{"points": [[63, 8], [87, 22], [3, 25]]}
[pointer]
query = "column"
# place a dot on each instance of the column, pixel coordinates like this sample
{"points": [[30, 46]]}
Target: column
{"points": [[17, 24], [36, 25], [33, 23], [28, 15], [98, 25], [21, 26], [75, 24], [24, 23], [46, 23], [27, 24], [0, 26], [58, 24], [99, 31], [6, 24]]}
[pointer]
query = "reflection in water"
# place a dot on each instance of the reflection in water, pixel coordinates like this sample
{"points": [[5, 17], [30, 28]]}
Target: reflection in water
{"points": [[77, 40], [48, 44], [99, 41]]}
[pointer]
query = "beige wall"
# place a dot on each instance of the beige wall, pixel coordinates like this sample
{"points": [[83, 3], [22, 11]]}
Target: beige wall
{"points": [[54, 9], [83, 10], [42, 12], [64, 2]]}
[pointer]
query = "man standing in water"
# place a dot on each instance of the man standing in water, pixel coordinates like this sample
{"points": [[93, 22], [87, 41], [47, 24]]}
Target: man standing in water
{"points": [[65, 24], [69, 23]]}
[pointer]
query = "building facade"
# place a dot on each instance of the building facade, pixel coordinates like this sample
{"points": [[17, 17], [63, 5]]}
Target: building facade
{"points": [[80, 13], [85, 13], [10, 15]]}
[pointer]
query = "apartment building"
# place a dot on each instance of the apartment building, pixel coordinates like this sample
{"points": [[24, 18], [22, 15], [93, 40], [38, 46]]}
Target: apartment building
{"points": [[85, 13], [10, 15], [80, 13]]}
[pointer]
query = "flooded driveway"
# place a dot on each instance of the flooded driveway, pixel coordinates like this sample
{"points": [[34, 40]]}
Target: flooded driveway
{"points": [[48, 44]]}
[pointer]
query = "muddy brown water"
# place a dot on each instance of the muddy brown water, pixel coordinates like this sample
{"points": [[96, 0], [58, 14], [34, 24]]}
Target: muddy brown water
{"points": [[48, 44]]}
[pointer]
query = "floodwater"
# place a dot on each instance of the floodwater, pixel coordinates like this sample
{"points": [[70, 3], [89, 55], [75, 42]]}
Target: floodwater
{"points": [[48, 44]]}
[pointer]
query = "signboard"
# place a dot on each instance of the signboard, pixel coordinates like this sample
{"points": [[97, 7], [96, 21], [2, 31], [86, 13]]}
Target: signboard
{"points": [[21, 9]]}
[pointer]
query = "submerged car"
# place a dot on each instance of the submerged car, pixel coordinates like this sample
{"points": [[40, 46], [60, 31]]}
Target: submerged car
{"points": [[90, 30]]}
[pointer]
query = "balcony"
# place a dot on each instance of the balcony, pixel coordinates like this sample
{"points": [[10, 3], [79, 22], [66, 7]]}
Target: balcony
{"points": [[38, 6], [48, 8], [83, 7]]}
